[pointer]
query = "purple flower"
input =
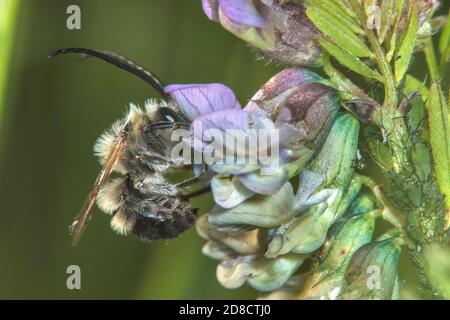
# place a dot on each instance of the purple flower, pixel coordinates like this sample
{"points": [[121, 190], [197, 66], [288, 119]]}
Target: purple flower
{"points": [[288, 112], [303, 108], [241, 12], [280, 29], [199, 99]]}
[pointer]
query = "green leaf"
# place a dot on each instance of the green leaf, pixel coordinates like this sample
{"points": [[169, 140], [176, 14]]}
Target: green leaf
{"points": [[387, 9], [394, 36], [406, 47], [335, 9], [381, 154], [420, 155], [344, 7], [416, 114], [438, 114], [338, 30], [347, 89], [444, 40], [350, 61], [430, 57]]}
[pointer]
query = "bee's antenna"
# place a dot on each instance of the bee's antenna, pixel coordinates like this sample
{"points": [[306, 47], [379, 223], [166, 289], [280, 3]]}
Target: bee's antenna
{"points": [[122, 63]]}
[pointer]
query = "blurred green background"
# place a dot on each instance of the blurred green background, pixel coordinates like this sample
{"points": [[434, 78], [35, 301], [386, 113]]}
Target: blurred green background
{"points": [[53, 111]]}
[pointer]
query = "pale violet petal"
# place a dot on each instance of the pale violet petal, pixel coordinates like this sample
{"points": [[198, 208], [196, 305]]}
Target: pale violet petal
{"points": [[242, 12], [265, 184], [200, 99], [211, 8], [228, 192], [258, 211]]}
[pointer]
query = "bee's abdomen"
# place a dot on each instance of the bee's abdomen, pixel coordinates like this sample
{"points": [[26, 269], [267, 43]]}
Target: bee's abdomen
{"points": [[165, 222]]}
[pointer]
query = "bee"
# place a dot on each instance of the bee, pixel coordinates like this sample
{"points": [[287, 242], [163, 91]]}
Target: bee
{"points": [[138, 147]]}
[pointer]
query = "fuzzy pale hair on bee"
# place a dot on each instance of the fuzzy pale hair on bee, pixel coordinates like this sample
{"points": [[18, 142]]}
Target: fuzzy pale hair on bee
{"points": [[110, 198], [138, 120], [105, 143], [122, 223]]}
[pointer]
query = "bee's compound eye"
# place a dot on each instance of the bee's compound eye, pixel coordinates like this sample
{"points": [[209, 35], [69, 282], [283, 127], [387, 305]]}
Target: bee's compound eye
{"points": [[169, 114]]}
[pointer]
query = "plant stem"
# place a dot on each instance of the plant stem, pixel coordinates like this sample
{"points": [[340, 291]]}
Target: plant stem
{"points": [[389, 116], [391, 119]]}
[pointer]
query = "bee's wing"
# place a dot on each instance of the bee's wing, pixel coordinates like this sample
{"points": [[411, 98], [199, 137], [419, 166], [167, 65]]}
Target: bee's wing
{"points": [[86, 212]]}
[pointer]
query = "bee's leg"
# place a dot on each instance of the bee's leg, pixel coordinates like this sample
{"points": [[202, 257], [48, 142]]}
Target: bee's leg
{"points": [[183, 125], [196, 193], [193, 180]]}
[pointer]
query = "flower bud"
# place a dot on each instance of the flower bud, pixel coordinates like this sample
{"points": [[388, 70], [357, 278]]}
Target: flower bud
{"points": [[344, 238], [373, 270], [242, 259], [336, 158], [303, 108], [279, 29], [236, 243], [260, 273], [426, 10], [258, 211]]}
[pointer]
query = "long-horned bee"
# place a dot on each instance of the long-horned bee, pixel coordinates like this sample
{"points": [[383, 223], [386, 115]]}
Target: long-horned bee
{"points": [[138, 147]]}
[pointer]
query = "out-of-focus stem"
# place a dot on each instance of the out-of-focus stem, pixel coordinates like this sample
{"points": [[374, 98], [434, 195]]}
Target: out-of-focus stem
{"points": [[8, 21], [430, 56]]}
